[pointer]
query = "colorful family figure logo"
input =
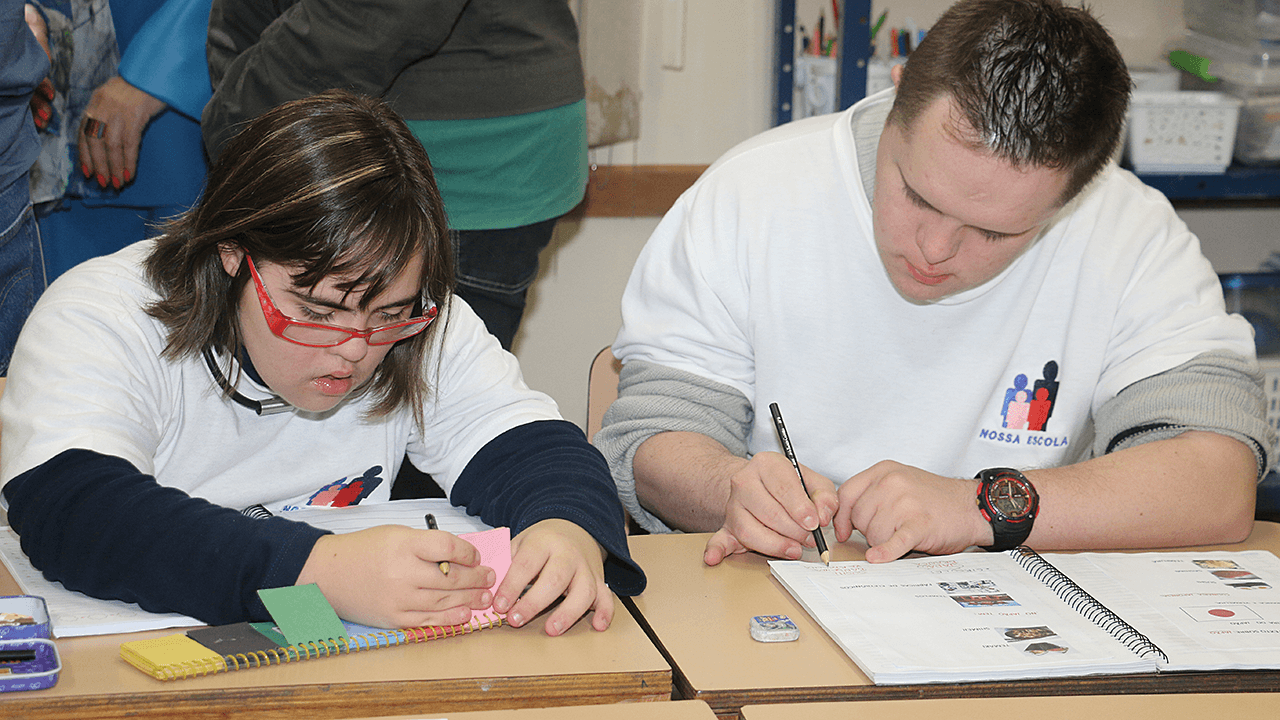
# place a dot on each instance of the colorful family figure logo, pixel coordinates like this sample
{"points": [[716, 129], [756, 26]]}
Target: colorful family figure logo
{"points": [[347, 491], [1030, 409]]}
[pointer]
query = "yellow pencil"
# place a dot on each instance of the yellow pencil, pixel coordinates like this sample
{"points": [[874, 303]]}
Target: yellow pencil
{"points": [[431, 525]]}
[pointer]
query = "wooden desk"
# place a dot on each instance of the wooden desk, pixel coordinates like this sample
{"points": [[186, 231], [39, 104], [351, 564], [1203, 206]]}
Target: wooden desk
{"points": [[493, 669], [699, 616], [678, 710], [1237, 706]]}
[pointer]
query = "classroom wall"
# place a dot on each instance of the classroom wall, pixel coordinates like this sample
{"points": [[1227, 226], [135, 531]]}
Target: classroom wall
{"points": [[721, 96]]}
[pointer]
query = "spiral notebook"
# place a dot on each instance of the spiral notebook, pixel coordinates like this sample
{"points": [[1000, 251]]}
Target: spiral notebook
{"points": [[1018, 614], [303, 627]]}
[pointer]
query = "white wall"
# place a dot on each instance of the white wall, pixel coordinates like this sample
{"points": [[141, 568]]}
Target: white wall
{"points": [[722, 96]]}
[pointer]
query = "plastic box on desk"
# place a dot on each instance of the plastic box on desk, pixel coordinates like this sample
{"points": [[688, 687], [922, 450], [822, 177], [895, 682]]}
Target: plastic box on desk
{"points": [[1181, 132], [24, 626], [1236, 20], [1249, 72], [1256, 297]]}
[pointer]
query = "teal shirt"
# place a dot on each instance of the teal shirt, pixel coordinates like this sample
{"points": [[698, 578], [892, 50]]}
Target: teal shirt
{"points": [[505, 172]]}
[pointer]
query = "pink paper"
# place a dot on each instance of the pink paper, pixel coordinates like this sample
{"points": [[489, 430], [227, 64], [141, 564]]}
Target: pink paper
{"points": [[495, 552]]}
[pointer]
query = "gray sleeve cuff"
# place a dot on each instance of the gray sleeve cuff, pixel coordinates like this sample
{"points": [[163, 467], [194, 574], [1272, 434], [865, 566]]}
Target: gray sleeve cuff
{"points": [[653, 399], [1216, 391]]}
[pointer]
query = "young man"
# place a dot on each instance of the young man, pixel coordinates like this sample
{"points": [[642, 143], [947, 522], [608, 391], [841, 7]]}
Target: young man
{"points": [[965, 313]]}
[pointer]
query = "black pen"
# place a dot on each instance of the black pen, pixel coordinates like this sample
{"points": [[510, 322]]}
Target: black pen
{"points": [[431, 525], [821, 542]]}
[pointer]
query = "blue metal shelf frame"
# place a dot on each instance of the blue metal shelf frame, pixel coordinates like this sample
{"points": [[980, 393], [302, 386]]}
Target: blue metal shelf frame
{"points": [[1237, 183], [853, 46]]}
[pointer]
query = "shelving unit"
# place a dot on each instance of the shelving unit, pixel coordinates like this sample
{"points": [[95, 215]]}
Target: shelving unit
{"points": [[853, 49], [1239, 182]]}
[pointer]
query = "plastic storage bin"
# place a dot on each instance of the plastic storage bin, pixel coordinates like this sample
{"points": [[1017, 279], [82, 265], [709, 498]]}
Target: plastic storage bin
{"points": [[1235, 20], [1181, 132], [1256, 296], [1249, 72]]}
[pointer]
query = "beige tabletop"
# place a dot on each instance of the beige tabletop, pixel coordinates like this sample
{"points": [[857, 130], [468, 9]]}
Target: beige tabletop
{"points": [[1234, 706], [678, 710], [491, 669], [700, 617]]}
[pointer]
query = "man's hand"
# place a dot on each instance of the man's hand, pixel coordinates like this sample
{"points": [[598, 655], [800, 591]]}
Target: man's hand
{"points": [[122, 111], [389, 576], [555, 558], [768, 511], [900, 508]]}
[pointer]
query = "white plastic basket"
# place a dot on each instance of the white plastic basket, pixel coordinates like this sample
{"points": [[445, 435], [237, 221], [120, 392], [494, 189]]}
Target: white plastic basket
{"points": [[1182, 132]]}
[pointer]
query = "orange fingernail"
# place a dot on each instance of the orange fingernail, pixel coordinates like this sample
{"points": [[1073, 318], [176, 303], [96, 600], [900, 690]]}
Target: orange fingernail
{"points": [[115, 182], [102, 180], [128, 176], [84, 168]]}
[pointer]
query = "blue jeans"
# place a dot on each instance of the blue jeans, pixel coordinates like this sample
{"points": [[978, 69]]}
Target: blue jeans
{"points": [[21, 265], [495, 269]]}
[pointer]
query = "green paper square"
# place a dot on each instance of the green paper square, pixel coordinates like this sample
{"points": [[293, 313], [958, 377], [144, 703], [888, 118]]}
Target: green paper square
{"points": [[268, 629], [303, 615]]}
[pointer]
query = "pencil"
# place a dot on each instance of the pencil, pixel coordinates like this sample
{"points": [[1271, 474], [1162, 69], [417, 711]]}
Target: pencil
{"points": [[820, 541], [431, 525]]}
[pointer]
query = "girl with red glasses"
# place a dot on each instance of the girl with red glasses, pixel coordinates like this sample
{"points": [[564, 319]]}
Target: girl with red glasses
{"points": [[288, 341]]}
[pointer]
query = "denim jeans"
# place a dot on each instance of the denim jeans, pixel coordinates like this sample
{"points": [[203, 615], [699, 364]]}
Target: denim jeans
{"points": [[21, 265], [495, 269]]}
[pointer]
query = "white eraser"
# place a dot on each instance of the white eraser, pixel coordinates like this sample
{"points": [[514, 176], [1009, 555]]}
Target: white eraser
{"points": [[773, 628]]}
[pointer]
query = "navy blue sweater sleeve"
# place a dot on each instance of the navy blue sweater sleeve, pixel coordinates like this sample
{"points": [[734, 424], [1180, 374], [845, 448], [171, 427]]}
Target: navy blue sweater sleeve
{"points": [[547, 469], [96, 524]]}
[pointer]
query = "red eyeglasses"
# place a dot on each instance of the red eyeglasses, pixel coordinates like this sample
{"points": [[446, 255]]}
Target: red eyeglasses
{"points": [[315, 335]]}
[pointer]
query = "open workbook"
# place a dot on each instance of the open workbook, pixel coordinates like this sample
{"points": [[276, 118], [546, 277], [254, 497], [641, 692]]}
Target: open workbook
{"points": [[1016, 615]]}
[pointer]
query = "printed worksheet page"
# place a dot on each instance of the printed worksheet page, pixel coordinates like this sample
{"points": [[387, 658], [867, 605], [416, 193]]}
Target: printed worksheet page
{"points": [[1205, 610]]}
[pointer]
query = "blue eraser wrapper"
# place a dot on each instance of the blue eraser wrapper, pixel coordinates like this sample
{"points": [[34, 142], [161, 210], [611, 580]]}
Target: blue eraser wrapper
{"points": [[773, 628]]}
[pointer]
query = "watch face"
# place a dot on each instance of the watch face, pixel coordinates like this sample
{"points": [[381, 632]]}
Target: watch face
{"points": [[1009, 497]]}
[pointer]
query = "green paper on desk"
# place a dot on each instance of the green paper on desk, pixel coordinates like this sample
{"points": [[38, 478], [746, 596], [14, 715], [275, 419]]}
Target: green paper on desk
{"points": [[302, 614]]}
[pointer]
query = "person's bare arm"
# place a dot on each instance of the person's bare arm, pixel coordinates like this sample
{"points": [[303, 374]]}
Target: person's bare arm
{"points": [[1193, 489], [683, 477], [696, 484]]}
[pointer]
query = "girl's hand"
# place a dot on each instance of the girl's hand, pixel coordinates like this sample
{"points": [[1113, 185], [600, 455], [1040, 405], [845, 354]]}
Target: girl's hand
{"points": [[389, 576], [555, 558]]}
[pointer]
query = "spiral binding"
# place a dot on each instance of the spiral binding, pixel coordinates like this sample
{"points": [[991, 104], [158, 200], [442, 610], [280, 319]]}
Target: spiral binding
{"points": [[1084, 603], [191, 669], [325, 648]]}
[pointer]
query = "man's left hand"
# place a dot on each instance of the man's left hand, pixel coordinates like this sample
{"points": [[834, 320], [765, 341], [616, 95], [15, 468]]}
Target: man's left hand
{"points": [[899, 508]]}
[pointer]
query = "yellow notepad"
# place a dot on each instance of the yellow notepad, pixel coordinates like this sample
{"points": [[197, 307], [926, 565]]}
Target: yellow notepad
{"points": [[172, 656]]}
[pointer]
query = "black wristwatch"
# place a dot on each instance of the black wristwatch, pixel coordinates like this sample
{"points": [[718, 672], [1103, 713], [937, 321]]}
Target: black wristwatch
{"points": [[1009, 502]]}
